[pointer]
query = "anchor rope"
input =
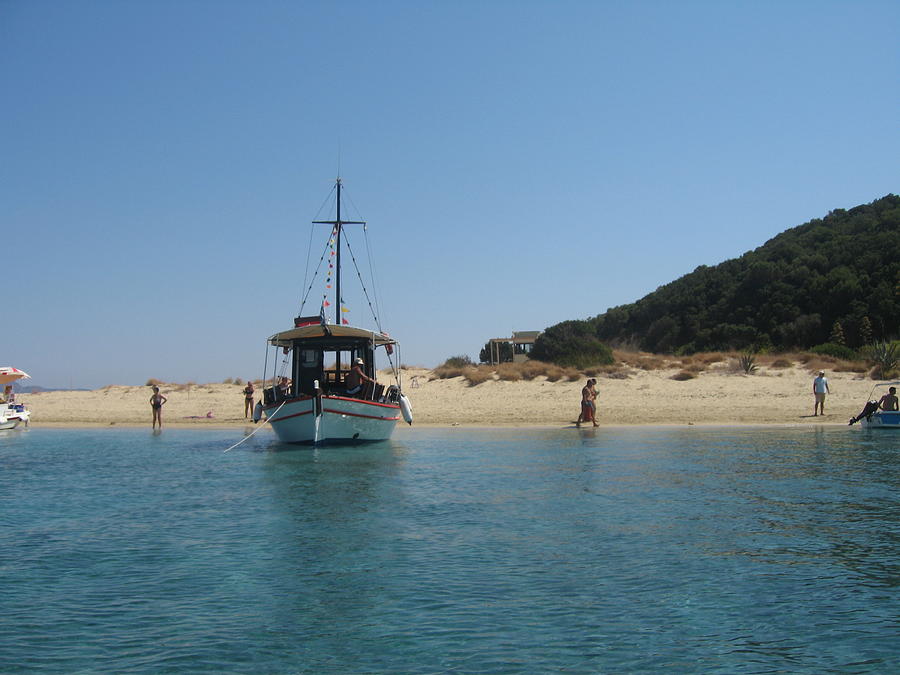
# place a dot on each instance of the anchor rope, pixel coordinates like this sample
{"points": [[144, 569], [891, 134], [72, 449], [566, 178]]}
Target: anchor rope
{"points": [[268, 419]]}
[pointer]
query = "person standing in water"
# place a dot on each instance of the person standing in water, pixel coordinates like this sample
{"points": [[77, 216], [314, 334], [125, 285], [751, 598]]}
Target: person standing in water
{"points": [[156, 404]]}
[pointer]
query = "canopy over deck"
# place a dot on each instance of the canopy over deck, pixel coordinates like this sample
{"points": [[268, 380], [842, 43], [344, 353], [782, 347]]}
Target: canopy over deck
{"points": [[286, 338]]}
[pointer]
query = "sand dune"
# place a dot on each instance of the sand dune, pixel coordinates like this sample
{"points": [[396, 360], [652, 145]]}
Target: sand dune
{"points": [[770, 396]]}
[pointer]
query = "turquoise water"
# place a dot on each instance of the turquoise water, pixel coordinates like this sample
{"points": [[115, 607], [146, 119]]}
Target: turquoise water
{"points": [[451, 551]]}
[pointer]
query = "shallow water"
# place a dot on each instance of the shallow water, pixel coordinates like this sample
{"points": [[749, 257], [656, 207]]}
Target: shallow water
{"points": [[535, 551]]}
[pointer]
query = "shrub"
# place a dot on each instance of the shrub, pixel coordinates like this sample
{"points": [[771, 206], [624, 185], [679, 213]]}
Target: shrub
{"points": [[815, 364], [447, 372], [572, 344], [747, 363], [614, 371], [461, 361], [228, 380], [509, 372], [684, 375], [642, 360], [885, 357], [781, 363], [153, 382], [556, 374], [850, 367], [835, 350], [476, 376], [651, 363]]}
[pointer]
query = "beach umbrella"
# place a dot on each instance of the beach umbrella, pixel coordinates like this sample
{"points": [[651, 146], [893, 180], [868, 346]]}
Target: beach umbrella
{"points": [[10, 374]]}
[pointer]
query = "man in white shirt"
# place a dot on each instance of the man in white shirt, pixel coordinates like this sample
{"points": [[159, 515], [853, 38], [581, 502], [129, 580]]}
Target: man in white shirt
{"points": [[820, 388]]}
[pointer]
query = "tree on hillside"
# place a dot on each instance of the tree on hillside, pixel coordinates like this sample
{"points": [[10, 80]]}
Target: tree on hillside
{"points": [[837, 334], [841, 270], [504, 349], [572, 343]]}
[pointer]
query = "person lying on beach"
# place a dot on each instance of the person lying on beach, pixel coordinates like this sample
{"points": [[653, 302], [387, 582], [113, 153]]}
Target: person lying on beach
{"points": [[207, 416]]}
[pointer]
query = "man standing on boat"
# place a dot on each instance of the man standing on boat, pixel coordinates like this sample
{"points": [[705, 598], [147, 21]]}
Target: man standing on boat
{"points": [[820, 388], [356, 380]]}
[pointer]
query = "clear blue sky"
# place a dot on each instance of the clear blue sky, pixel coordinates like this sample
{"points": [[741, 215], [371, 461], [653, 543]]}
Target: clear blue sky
{"points": [[519, 163]]}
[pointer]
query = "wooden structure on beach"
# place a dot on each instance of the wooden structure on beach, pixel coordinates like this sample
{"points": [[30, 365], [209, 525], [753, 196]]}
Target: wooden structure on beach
{"points": [[522, 343]]}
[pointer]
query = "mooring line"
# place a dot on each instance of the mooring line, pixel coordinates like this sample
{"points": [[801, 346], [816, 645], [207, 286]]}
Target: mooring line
{"points": [[268, 419]]}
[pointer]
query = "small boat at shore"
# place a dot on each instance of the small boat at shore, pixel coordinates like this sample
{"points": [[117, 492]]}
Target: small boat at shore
{"points": [[872, 416], [323, 384], [12, 414]]}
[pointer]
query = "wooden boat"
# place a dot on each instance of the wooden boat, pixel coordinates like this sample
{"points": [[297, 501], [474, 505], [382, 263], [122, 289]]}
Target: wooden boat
{"points": [[317, 395]]}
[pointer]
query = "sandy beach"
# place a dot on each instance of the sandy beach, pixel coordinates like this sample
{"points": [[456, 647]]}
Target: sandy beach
{"points": [[715, 396]]}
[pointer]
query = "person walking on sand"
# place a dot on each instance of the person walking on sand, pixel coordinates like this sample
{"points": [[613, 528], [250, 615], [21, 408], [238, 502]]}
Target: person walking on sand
{"points": [[820, 389], [588, 403], [156, 404], [248, 399]]}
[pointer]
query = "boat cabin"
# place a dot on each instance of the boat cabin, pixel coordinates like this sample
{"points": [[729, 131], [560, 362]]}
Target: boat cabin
{"points": [[322, 356]]}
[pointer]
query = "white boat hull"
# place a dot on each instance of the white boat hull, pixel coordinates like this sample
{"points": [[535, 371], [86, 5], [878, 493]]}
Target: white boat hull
{"points": [[12, 415], [883, 419], [341, 420]]}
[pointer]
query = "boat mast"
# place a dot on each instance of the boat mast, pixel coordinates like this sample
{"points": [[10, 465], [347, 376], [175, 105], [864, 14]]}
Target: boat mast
{"points": [[337, 288], [338, 225]]}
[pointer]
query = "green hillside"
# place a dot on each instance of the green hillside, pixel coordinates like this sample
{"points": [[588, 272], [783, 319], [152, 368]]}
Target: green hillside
{"points": [[787, 294]]}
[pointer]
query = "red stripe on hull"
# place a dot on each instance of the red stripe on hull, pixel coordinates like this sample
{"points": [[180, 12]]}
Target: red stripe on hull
{"points": [[368, 417], [287, 417], [333, 411]]}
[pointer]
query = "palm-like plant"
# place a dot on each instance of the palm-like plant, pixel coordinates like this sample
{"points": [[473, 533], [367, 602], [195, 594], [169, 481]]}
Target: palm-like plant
{"points": [[885, 357], [747, 362]]}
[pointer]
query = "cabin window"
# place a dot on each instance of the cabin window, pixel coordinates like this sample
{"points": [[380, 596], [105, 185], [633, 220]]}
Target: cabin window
{"points": [[309, 358]]}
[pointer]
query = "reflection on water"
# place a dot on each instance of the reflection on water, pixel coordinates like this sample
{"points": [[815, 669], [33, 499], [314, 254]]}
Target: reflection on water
{"points": [[491, 551]]}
